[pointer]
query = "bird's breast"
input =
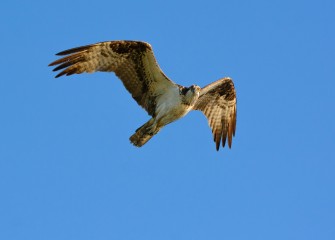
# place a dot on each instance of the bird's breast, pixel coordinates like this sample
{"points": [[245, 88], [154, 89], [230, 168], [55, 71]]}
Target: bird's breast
{"points": [[170, 107]]}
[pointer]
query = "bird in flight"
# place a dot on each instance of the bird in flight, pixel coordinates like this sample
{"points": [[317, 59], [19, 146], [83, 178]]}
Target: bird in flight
{"points": [[165, 101]]}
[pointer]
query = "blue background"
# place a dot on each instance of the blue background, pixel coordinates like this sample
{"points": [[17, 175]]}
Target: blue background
{"points": [[68, 171]]}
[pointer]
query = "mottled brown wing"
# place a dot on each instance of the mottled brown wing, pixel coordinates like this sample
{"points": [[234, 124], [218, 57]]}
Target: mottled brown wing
{"points": [[132, 61], [218, 102]]}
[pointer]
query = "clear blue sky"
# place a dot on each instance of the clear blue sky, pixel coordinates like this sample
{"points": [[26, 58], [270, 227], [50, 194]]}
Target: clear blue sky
{"points": [[68, 171]]}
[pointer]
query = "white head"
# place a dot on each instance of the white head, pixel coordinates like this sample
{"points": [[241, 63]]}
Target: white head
{"points": [[192, 94]]}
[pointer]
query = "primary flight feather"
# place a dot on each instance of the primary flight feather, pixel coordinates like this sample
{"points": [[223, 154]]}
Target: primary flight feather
{"points": [[135, 64]]}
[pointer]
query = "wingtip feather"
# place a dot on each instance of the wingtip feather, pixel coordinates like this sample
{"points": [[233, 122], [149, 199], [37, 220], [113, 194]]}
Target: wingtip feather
{"points": [[60, 74]]}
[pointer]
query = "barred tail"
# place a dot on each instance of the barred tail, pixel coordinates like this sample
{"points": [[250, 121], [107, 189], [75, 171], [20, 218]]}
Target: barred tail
{"points": [[144, 133]]}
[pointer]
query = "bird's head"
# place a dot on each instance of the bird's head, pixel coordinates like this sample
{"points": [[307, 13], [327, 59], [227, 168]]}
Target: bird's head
{"points": [[195, 89], [192, 94]]}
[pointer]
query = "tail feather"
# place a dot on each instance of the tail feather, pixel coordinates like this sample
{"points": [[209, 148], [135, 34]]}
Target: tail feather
{"points": [[144, 133]]}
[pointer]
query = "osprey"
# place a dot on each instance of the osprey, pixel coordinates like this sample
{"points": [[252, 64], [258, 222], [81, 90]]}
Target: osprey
{"points": [[135, 64]]}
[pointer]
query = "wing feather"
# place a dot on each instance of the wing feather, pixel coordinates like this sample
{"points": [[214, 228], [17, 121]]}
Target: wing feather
{"points": [[132, 61], [218, 102]]}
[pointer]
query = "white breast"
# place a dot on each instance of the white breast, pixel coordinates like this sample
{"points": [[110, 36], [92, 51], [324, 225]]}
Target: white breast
{"points": [[169, 107]]}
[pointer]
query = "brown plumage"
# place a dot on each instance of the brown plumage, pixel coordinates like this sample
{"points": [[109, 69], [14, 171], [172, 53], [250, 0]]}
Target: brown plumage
{"points": [[134, 63], [218, 102]]}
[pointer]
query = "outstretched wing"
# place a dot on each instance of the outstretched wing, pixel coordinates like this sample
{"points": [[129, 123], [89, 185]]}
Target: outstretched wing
{"points": [[218, 102], [132, 61]]}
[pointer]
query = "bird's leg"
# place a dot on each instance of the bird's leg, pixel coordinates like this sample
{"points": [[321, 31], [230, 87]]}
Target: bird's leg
{"points": [[154, 127], [151, 128]]}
